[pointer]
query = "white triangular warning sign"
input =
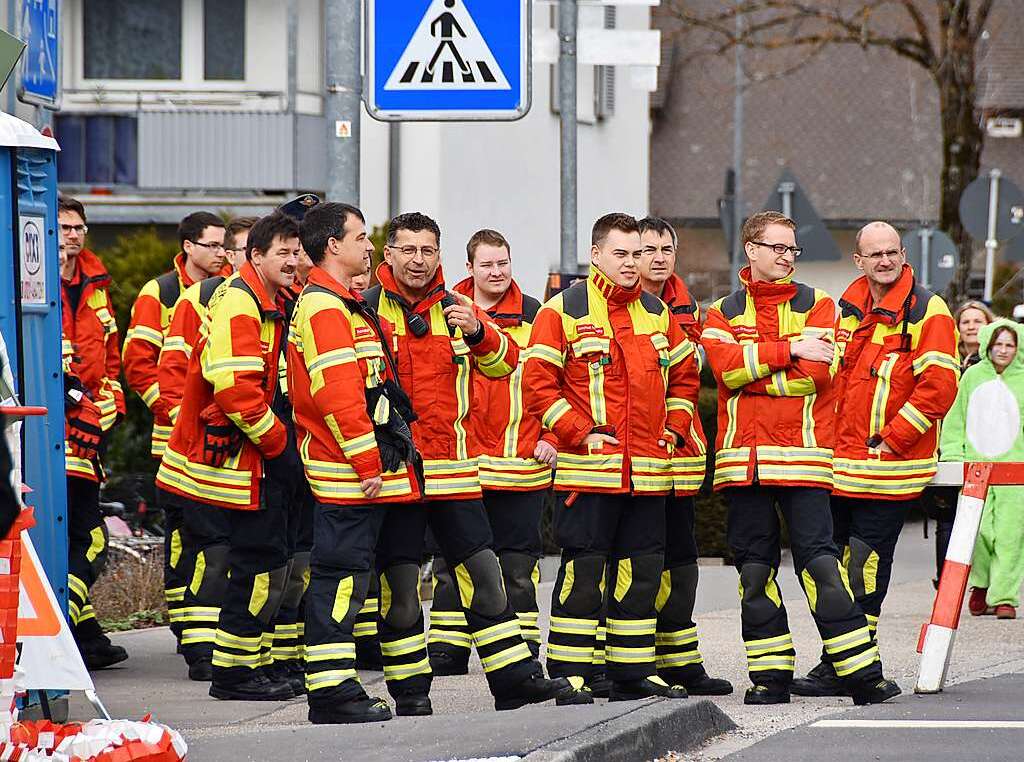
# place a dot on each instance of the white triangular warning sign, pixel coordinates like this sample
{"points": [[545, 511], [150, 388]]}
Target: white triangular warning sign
{"points": [[48, 657], [447, 52]]}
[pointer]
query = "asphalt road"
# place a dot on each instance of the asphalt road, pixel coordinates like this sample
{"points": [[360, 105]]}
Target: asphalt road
{"points": [[977, 720]]}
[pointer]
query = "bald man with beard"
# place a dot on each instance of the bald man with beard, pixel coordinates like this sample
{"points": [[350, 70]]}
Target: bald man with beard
{"points": [[896, 380]]}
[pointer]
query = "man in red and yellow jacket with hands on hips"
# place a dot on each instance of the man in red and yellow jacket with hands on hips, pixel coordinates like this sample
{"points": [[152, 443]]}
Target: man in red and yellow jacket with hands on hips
{"points": [[611, 373]]}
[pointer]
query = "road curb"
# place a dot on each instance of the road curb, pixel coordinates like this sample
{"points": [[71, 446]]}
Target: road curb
{"points": [[653, 728]]}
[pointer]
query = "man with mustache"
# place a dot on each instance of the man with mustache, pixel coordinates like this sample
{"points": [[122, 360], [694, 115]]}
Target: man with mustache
{"points": [[897, 379], [679, 658], [195, 606], [232, 448], [441, 339], [515, 462]]}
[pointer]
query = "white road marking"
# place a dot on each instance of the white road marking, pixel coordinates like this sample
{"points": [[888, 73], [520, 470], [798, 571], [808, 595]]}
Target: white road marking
{"points": [[923, 724]]}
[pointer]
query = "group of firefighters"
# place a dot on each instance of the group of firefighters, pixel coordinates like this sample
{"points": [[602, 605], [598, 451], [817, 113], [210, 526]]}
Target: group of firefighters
{"points": [[319, 437]]}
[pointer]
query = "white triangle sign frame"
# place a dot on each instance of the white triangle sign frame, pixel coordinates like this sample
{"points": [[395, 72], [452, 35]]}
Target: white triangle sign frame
{"points": [[447, 52]]}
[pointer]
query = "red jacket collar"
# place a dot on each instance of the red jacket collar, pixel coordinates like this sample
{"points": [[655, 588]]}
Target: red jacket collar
{"points": [[858, 297], [509, 309], [675, 293], [183, 276], [252, 280], [320, 277], [614, 293], [91, 269], [768, 292], [435, 290]]}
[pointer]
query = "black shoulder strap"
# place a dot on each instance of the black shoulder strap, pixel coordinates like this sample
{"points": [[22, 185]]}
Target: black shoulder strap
{"points": [[920, 296], [372, 297], [575, 300], [803, 299], [530, 308], [207, 287], [734, 304], [170, 288], [651, 303]]}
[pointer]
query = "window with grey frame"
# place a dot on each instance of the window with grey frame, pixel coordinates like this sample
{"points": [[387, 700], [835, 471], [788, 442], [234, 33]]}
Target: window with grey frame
{"points": [[224, 39], [127, 39]]}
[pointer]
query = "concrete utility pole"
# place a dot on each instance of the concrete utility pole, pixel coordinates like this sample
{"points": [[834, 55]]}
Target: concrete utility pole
{"points": [[736, 254], [567, 22], [292, 11], [342, 64]]}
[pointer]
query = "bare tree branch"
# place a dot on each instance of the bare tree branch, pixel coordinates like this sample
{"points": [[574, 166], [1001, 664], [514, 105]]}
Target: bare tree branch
{"points": [[981, 19]]}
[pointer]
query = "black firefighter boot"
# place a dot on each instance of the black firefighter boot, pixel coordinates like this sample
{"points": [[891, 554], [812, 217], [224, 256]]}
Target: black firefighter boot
{"points": [[820, 681]]}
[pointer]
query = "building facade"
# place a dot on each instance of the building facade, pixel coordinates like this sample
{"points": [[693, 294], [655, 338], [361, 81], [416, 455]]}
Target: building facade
{"points": [[173, 105]]}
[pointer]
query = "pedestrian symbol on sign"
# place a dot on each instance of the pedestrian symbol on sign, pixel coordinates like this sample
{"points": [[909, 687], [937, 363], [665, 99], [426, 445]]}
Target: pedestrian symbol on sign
{"points": [[447, 51]]}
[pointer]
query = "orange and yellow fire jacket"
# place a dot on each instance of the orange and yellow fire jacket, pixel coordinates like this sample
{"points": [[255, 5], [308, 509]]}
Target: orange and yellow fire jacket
{"points": [[90, 347], [151, 317], [436, 371], [611, 359], [689, 462], [335, 354], [188, 318], [236, 367], [897, 379], [775, 412], [506, 435]]}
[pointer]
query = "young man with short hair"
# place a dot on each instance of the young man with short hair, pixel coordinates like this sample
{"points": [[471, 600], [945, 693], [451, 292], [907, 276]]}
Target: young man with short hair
{"points": [[359, 458], [679, 658], [231, 449], [770, 346], [94, 403], [612, 375], [515, 462]]}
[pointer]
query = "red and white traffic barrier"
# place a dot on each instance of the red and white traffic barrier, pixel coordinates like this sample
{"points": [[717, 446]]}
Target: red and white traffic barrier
{"points": [[937, 636]]}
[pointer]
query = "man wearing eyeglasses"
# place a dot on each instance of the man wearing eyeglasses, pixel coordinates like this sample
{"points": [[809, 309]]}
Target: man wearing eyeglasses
{"points": [[770, 346], [201, 235], [897, 379], [678, 653], [440, 340], [191, 621], [95, 403]]}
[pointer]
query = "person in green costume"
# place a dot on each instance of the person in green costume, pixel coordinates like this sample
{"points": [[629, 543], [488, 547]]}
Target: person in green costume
{"points": [[984, 424]]}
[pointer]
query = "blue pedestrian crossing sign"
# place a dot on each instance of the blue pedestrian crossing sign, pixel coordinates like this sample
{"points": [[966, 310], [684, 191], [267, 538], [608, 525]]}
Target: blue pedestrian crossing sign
{"points": [[39, 82], [448, 60]]}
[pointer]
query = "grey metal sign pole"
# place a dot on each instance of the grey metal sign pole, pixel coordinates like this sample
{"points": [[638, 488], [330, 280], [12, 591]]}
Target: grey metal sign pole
{"points": [[737, 157], [926, 249], [567, 21], [991, 242], [342, 102], [786, 191]]}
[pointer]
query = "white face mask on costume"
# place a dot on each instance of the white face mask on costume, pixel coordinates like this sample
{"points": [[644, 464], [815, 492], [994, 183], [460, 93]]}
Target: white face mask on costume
{"points": [[993, 419]]}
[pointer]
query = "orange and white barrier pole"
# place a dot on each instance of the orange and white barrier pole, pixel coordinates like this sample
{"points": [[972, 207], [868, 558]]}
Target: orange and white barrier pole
{"points": [[937, 636]]}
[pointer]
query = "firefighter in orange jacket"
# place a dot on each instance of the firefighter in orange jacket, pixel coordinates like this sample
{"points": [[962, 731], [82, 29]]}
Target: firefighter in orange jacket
{"points": [[439, 340], [678, 651], [201, 235], [897, 379], [515, 463], [770, 347], [614, 377], [95, 402], [231, 449], [191, 621], [359, 460]]}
